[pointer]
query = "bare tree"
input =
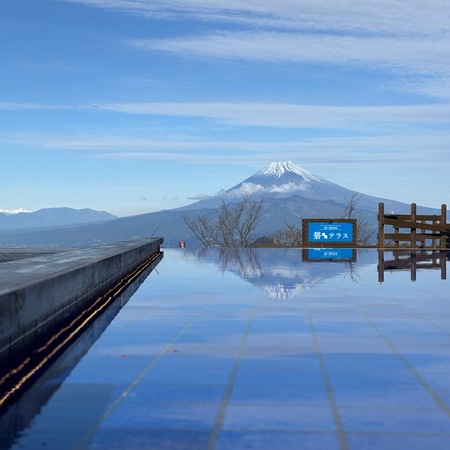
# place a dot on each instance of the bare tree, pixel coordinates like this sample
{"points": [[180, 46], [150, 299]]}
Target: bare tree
{"points": [[350, 205], [289, 235], [203, 228], [364, 230], [233, 225]]}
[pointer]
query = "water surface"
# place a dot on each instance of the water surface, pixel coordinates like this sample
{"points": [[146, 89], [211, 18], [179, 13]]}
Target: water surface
{"points": [[261, 349]]}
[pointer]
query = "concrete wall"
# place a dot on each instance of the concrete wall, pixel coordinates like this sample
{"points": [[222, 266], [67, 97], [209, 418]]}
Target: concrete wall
{"points": [[38, 293]]}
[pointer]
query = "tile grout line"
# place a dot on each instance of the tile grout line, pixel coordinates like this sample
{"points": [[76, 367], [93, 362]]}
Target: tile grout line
{"points": [[431, 392], [418, 314], [141, 315], [326, 379], [226, 398], [84, 441]]}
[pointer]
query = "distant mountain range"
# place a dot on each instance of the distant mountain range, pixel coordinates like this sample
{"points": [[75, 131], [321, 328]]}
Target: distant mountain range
{"points": [[50, 217], [290, 194]]}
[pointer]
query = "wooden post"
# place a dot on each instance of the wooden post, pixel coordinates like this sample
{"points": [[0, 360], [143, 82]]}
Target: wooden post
{"points": [[396, 237], [381, 225], [443, 224], [413, 221], [413, 269], [443, 261], [380, 265], [436, 221]]}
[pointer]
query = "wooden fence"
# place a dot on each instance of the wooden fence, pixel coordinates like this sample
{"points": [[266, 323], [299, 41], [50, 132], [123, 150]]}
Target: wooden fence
{"points": [[412, 260], [422, 230]]}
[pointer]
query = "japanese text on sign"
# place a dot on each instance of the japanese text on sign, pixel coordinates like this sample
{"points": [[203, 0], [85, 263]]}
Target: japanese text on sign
{"points": [[330, 232]]}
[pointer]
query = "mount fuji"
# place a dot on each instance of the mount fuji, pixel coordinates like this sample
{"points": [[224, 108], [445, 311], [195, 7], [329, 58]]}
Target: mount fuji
{"points": [[281, 180], [290, 193]]}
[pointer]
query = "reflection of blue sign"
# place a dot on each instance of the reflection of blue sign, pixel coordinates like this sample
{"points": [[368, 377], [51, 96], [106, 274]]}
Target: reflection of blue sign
{"points": [[332, 232], [330, 253]]}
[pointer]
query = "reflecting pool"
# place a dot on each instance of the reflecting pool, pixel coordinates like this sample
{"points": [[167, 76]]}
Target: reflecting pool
{"points": [[261, 349]]}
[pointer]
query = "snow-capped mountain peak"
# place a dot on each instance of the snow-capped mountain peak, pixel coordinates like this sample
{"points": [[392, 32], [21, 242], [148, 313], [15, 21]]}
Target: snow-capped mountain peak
{"points": [[282, 179], [11, 212], [50, 217], [278, 181], [277, 169]]}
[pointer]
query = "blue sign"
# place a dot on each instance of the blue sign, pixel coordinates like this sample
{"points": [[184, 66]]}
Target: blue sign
{"points": [[317, 254], [330, 232]]}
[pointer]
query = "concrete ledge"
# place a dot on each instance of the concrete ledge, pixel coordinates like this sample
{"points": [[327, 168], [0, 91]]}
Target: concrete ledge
{"points": [[37, 294]]}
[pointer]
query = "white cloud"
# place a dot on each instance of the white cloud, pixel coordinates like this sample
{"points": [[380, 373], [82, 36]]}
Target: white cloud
{"points": [[251, 188], [430, 86], [407, 37], [364, 17], [423, 55], [199, 197], [22, 106], [277, 115], [415, 146], [294, 115]]}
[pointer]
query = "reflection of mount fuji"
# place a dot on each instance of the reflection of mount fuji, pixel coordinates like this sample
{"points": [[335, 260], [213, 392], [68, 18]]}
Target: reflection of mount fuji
{"points": [[281, 273]]}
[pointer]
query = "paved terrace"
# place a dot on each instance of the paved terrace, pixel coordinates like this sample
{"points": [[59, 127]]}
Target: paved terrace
{"points": [[44, 292], [15, 254], [254, 350]]}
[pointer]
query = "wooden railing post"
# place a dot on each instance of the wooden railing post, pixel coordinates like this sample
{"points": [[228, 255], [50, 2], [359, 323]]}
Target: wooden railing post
{"points": [[443, 224], [381, 225], [413, 221]]}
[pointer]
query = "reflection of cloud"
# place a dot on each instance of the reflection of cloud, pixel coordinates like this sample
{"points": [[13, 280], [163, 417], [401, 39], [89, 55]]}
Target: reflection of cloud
{"points": [[278, 291]]}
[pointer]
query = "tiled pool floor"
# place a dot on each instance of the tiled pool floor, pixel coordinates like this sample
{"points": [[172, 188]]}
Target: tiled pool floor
{"points": [[258, 350]]}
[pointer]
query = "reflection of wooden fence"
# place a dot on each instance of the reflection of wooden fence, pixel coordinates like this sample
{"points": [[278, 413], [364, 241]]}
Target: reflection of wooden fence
{"points": [[413, 261], [423, 230]]}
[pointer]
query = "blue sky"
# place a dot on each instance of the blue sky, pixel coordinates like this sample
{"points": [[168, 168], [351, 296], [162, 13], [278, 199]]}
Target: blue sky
{"points": [[133, 106]]}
